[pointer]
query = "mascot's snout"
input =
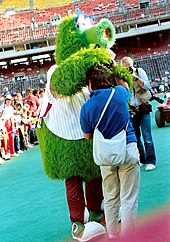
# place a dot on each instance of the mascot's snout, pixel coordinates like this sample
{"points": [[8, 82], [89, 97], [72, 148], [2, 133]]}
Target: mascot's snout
{"points": [[102, 34]]}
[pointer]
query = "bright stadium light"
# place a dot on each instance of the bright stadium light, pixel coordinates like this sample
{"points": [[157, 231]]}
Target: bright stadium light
{"points": [[38, 57], [2, 63], [19, 60]]}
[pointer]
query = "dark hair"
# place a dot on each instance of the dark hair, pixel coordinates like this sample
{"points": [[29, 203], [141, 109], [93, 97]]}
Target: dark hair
{"points": [[100, 77], [29, 89], [35, 92]]}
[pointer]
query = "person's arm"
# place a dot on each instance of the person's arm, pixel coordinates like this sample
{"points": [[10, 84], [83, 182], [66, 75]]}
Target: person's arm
{"points": [[141, 79], [138, 80], [88, 135], [85, 126], [37, 102], [23, 100], [121, 82]]}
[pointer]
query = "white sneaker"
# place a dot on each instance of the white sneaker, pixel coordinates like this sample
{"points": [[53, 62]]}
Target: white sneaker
{"points": [[141, 164], [150, 167], [6, 157], [14, 155], [30, 146], [20, 151], [90, 231]]}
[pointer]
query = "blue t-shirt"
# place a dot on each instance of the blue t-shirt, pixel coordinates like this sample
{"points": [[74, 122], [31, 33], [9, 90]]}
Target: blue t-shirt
{"points": [[115, 117]]}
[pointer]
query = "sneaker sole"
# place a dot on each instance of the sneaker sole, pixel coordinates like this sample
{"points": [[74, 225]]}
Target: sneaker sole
{"points": [[90, 237]]}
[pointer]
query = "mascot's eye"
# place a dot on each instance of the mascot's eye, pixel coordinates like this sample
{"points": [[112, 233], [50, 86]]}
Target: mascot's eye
{"points": [[107, 33]]}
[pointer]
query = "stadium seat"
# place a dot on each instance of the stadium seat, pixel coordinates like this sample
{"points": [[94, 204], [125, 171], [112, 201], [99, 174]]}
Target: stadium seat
{"points": [[137, 14], [43, 4], [119, 18], [17, 5], [156, 11]]}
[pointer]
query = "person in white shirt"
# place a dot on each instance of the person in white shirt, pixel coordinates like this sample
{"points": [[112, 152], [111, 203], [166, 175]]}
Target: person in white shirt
{"points": [[142, 119], [6, 114]]}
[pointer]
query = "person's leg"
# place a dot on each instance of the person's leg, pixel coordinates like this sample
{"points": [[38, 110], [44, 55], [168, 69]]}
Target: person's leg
{"points": [[136, 125], [34, 138], [75, 199], [111, 193], [129, 175], [5, 142], [148, 141], [11, 143], [21, 138], [8, 126], [17, 143], [94, 198]]}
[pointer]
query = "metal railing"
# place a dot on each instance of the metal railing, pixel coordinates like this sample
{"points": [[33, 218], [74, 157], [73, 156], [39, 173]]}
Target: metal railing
{"points": [[22, 85]]}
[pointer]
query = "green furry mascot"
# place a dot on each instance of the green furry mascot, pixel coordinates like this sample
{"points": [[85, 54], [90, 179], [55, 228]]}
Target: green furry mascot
{"points": [[65, 153]]}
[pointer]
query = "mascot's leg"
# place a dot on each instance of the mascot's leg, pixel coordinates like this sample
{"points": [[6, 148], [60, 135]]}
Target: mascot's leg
{"points": [[94, 198], [75, 199], [76, 204]]}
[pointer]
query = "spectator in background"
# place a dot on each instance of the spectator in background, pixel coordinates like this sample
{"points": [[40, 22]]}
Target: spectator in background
{"points": [[141, 121], [1, 99], [32, 101], [3, 142], [17, 124], [5, 91], [41, 94], [36, 93], [14, 97], [19, 98], [6, 113], [25, 128]]}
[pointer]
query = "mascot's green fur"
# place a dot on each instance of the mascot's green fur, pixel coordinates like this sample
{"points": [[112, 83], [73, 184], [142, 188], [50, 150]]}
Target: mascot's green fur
{"points": [[74, 55]]}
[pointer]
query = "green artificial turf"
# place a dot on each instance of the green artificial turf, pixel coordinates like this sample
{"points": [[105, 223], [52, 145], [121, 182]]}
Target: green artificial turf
{"points": [[34, 208]]}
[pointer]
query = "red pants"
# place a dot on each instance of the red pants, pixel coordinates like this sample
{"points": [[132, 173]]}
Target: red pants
{"points": [[8, 126], [76, 198]]}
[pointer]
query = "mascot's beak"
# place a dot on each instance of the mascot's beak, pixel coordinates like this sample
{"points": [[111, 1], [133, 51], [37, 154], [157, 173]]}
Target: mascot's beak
{"points": [[102, 34]]}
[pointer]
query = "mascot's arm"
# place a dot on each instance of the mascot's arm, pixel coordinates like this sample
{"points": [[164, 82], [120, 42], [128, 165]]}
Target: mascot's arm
{"points": [[69, 77]]}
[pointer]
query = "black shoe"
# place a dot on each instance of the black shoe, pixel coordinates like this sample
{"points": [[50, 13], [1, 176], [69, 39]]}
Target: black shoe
{"points": [[36, 143]]}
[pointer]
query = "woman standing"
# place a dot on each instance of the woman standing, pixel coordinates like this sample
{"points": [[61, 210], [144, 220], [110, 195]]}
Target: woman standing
{"points": [[6, 113]]}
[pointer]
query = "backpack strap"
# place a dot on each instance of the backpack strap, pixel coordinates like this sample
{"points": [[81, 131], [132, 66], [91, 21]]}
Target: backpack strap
{"points": [[105, 107]]}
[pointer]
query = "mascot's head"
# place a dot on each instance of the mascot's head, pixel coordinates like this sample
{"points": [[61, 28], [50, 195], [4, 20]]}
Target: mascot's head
{"points": [[79, 31], [77, 37]]}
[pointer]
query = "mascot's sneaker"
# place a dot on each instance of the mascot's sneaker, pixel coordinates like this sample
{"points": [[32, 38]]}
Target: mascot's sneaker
{"points": [[97, 217], [88, 231]]}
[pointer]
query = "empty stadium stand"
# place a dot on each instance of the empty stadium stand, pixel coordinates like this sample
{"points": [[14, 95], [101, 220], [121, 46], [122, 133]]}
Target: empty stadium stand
{"points": [[37, 4], [14, 4]]}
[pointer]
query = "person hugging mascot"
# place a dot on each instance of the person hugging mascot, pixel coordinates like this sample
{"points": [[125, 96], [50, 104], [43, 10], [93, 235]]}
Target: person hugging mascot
{"points": [[65, 153]]}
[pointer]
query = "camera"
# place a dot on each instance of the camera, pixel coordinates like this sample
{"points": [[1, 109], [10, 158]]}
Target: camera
{"points": [[132, 113], [158, 99], [130, 69]]}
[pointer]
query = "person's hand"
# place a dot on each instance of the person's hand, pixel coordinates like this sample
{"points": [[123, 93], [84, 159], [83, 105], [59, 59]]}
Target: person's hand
{"points": [[112, 67], [111, 53], [121, 82], [134, 76]]}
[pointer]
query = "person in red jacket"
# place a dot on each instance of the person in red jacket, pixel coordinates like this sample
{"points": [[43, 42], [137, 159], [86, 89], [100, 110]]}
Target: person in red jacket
{"points": [[33, 102]]}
